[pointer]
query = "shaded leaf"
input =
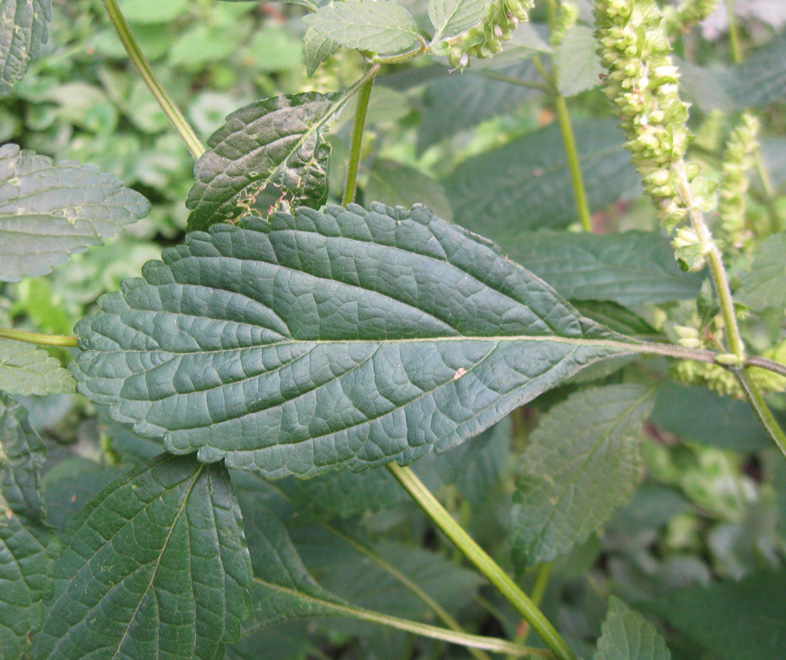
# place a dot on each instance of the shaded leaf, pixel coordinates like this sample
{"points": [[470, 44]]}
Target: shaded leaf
{"points": [[765, 285], [581, 463], [376, 25], [577, 62], [526, 184], [25, 369], [155, 566], [277, 141], [452, 17], [628, 636], [735, 620], [398, 185], [632, 268], [49, 211], [616, 317], [27, 545], [342, 339], [24, 29], [316, 49]]}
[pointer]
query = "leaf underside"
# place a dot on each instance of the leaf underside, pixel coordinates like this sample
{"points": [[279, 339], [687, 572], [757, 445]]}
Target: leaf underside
{"points": [[626, 635], [24, 29], [25, 369], [342, 339], [154, 566], [273, 142], [49, 211]]}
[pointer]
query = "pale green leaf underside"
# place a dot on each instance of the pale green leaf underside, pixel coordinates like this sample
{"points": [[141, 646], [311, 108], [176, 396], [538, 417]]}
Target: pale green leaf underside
{"points": [[577, 62], [316, 49], [25, 369], [276, 141], [626, 635], [154, 566], [765, 285], [451, 17], [580, 464], [27, 545], [341, 339], [376, 25], [49, 211], [24, 29]]}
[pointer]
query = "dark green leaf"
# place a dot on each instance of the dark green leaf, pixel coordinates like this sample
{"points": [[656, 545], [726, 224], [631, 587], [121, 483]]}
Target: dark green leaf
{"points": [[452, 17], [614, 316], [765, 285], [275, 142], [50, 210], [735, 620], [398, 185], [527, 185], [632, 268], [628, 636], [577, 62], [376, 25], [155, 566], [27, 545], [342, 339], [24, 29], [316, 49], [25, 369], [581, 463]]}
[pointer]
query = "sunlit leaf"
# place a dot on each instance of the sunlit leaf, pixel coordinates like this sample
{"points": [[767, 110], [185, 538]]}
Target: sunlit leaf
{"points": [[24, 29], [25, 369]]}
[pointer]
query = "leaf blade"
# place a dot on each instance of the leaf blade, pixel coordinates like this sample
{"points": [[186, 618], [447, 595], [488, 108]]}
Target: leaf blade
{"points": [[26, 370], [628, 636], [451, 17], [25, 29]]}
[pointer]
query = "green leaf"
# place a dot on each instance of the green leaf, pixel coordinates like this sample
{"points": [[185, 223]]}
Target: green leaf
{"points": [[577, 62], [154, 566], [452, 17], [25, 369], [527, 185], [765, 285], [632, 268], [735, 620], [277, 141], [316, 49], [342, 339], [626, 635], [616, 317], [398, 185], [50, 210], [376, 25], [153, 11], [24, 29], [581, 463], [27, 545]]}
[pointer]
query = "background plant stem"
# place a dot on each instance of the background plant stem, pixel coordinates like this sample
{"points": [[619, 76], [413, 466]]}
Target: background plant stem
{"points": [[182, 126], [734, 35], [364, 96], [482, 561], [38, 338]]}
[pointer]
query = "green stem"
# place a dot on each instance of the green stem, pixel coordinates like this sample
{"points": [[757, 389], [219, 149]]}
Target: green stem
{"points": [[538, 591], [492, 644], [769, 191], [543, 71], [482, 561], [38, 338], [569, 138], [137, 57], [364, 95], [762, 410], [734, 35]]}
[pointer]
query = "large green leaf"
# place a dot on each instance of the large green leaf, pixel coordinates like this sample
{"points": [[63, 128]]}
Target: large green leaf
{"points": [[581, 463], [527, 184], [376, 25], [452, 17], [735, 620], [275, 142], [25, 369], [342, 339], [50, 210], [24, 29], [628, 636], [27, 545], [154, 566], [765, 285], [631, 268]]}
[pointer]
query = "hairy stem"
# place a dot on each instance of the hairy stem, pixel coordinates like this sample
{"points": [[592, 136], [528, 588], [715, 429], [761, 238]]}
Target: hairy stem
{"points": [[364, 96], [38, 338], [482, 561], [143, 66], [764, 414], [765, 363]]}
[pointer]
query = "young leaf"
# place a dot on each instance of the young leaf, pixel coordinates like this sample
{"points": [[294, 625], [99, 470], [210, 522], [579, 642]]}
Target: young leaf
{"points": [[577, 62], [765, 285], [50, 210], [24, 29], [316, 49], [377, 25], [277, 141], [628, 636], [342, 339], [632, 268], [27, 545], [452, 17], [154, 566], [581, 463], [25, 369], [527, 185]]}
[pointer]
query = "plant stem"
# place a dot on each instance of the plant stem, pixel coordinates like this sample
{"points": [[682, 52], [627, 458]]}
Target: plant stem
{"points": [[357, 139], [472, 551], [734, 35], [769, 191], [763, 412], [143, 66], [492, 644], [765, 363], [538, 591], [574, 164], [38, 338]]}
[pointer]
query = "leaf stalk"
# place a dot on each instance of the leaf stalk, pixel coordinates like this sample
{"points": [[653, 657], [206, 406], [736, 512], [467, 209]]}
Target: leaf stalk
{"points": [[38, 338], [364, 96]]}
